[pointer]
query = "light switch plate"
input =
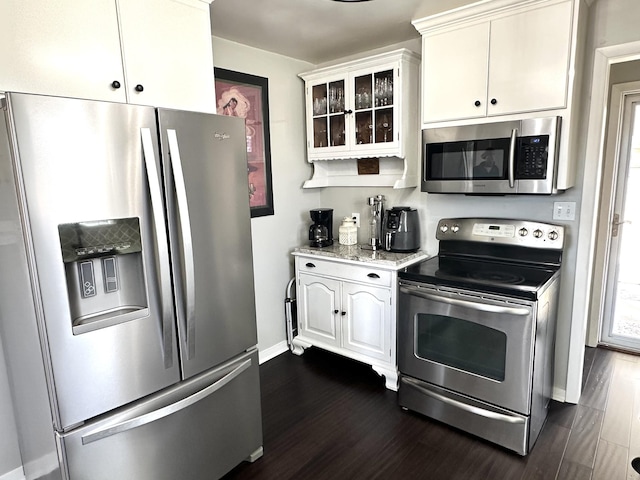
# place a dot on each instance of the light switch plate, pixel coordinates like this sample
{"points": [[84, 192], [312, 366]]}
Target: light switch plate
{"points": [[564, 210]]}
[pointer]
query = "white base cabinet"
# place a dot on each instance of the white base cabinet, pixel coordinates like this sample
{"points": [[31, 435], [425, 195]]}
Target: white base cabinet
{"points": [[348, 308]]}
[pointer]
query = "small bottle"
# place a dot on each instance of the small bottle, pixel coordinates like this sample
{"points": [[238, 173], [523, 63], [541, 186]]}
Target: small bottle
{"points": [[348, 232]]}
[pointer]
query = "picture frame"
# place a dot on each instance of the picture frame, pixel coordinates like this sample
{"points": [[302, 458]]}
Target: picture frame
{"points": [[247, 96]]}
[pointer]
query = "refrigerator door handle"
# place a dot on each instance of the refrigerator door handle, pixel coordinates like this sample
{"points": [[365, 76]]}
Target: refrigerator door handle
{"points": [[187, 243], [155, 415], [160, 232]]}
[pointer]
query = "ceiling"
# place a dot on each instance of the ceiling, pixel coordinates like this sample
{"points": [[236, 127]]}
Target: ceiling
{"points": [[317, 31]]}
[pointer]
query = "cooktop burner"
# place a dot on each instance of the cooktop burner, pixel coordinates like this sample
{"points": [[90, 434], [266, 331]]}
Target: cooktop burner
{"points": [[522, 281], [518, 258], [497, 277]]}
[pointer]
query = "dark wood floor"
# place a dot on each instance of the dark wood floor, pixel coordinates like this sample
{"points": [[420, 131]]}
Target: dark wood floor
{"points": [[327, 417]]}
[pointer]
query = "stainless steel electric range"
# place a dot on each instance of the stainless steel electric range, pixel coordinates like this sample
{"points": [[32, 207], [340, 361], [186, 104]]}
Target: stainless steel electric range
{"points": [[476, 328]]}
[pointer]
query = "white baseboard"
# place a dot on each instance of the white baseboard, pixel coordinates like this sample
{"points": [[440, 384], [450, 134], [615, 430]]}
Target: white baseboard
{"points": [[17, 474], [558, 394], [268, 353]]}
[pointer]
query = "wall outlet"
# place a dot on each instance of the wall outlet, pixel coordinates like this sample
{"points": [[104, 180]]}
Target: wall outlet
{"points": [[357, 217], [564, 210]]}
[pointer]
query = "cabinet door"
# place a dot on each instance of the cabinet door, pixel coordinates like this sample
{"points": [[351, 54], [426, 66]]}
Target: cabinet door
{"points": [[318, 309], [167, 52], [529, 61], [375, 108], [327, 116], [366, 327], [62, 48], [454, 74]]}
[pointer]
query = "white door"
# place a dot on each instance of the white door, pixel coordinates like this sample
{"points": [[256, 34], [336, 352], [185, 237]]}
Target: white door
{"points": [[621, 316]]}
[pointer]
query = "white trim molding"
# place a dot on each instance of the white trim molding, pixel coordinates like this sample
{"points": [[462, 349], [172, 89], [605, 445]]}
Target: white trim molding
{"points": [[268, 353], [17, 474]]}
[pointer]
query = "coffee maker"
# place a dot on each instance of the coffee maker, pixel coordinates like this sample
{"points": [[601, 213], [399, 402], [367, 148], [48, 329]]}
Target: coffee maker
{"points": [[321, 231]]}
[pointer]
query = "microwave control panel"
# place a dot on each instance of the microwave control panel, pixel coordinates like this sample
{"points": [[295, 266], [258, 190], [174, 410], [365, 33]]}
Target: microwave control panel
{"points": [[533, 155]]}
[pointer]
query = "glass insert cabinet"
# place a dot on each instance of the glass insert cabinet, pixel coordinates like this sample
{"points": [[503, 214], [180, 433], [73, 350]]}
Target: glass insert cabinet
{"points": [[371, 107], [361, 109]]}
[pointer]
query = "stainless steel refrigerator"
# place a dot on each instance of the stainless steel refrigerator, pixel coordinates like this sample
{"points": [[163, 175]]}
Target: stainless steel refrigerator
{"points": [[127, 304]]}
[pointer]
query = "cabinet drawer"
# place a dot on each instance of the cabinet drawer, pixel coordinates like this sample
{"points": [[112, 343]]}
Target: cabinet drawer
{"points": [[353, 273]]}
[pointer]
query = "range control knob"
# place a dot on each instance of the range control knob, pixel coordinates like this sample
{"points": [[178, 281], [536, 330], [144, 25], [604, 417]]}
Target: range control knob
{"points": [[537, 233], [444, 228], [455, 228], [553, 235], [523, 232]]}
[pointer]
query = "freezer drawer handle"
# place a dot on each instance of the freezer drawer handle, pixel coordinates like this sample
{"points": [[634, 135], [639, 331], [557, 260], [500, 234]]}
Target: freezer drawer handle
{"points": [[187, 242], [168, 410], [163, 255], [464, 303], [463, 406]]}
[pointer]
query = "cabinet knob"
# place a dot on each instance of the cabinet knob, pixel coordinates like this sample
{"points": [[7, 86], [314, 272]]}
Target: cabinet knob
{"points": [[347, 112], [115, 84], [335, 311], [343, 313], [139, 88], [310, 265], [477, 103], [373, 275], [493, 101]]}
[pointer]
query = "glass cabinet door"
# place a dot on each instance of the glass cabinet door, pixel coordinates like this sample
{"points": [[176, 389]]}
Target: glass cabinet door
{"points": [[328, 114], [373, 105]]}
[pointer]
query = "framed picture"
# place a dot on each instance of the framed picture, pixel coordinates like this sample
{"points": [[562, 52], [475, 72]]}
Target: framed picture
{"points": [[247, 96]]}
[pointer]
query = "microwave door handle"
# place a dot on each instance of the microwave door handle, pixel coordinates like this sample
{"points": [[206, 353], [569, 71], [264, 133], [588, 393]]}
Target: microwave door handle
{"points": [[512, 157], [187, 242], [163, 255]]}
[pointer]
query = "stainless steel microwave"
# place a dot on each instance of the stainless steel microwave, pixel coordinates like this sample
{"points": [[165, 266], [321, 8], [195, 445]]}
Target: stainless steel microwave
{"points": [[501, 158]]}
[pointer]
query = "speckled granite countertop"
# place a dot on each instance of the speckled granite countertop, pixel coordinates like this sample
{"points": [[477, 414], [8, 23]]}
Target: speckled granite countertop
{"points": [[354, 253]]}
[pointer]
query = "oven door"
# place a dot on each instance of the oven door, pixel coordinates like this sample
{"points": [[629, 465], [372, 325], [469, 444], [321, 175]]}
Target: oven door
{"points": [[479, 346]]}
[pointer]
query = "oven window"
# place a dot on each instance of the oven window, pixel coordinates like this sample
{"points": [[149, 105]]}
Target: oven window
{"points": [[461, 344]]}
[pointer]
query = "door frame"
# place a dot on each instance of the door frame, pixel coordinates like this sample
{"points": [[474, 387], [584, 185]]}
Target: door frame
{"points": [[620, 93], [604, 57]]}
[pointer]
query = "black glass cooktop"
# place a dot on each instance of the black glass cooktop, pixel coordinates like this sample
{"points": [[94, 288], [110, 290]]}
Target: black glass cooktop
{"points": [[507, 278]]}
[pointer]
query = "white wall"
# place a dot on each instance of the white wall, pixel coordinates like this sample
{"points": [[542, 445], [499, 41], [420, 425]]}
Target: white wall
{"points": [[612, 37], [275, 236]]}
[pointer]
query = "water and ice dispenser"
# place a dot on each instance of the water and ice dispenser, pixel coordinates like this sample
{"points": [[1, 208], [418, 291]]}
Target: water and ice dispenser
{"points": [[104, 271]]}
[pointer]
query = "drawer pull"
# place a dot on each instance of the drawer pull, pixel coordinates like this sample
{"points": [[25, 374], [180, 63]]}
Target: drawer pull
{"points": [[343, 313], [335, 312], [310, 265], [373, 275]]}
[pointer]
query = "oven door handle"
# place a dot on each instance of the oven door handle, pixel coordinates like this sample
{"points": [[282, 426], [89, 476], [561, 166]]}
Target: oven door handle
{"points": [[465, 303], [463, 406]]}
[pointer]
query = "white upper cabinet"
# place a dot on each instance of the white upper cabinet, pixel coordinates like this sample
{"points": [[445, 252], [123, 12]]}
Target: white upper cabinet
{"points": [[166, 48], [496, 58], [363, 109], [454, 83], [150, 52], [62, 48]]}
